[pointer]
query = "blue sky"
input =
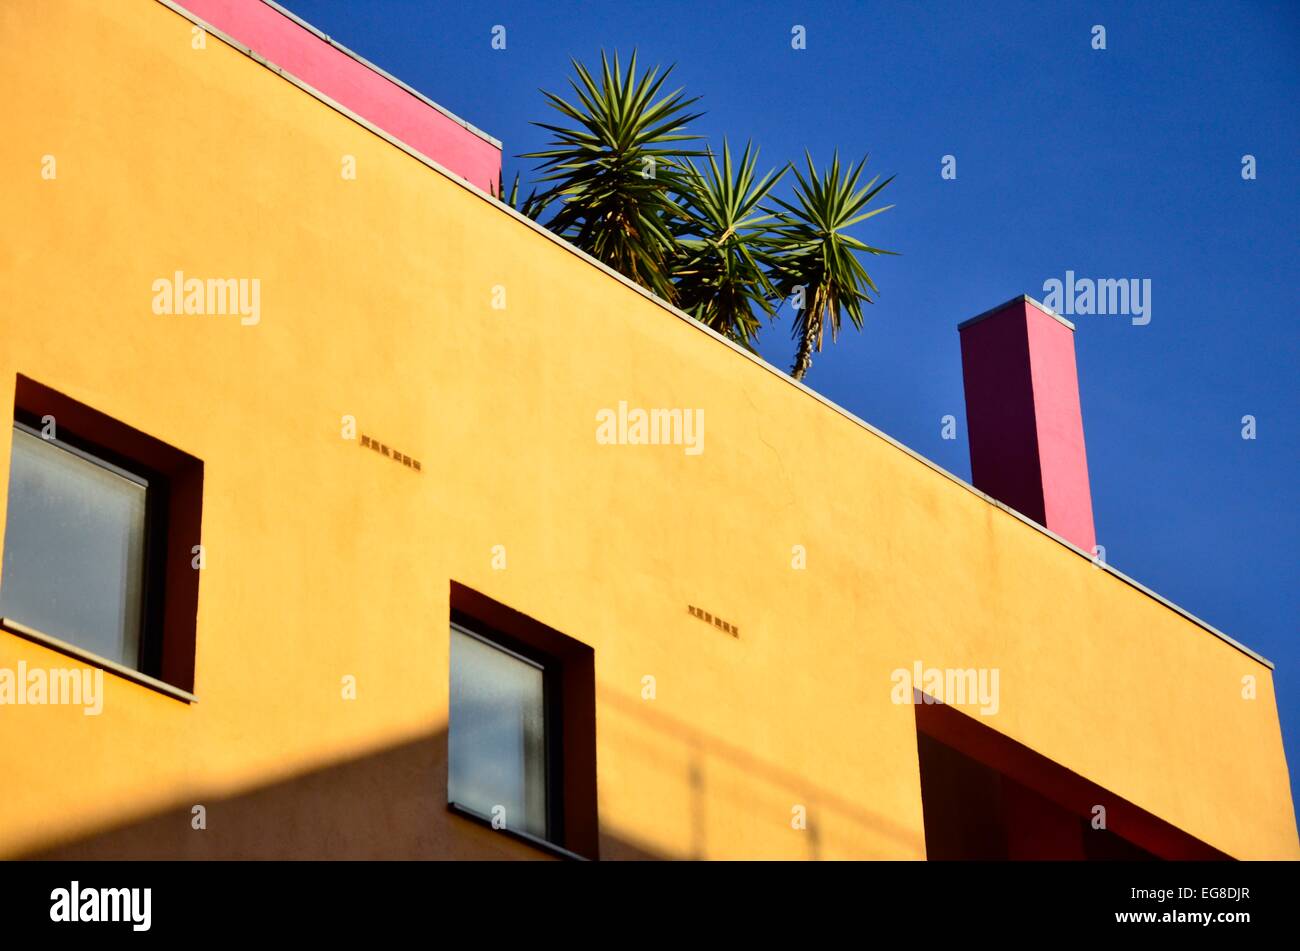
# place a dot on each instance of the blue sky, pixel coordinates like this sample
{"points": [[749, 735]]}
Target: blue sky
{"points": [[1118, 163]]}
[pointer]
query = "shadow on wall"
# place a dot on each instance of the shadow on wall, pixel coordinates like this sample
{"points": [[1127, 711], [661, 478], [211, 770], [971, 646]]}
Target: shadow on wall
{"points": [[390, 804], [700, 796], [704, 797]]}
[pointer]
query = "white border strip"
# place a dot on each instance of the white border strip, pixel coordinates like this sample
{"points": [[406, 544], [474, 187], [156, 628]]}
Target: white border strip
{"points": [[696, 325]]}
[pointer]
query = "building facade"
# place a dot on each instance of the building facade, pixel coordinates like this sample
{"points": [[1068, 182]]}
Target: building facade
{"points": [[345, 480]]}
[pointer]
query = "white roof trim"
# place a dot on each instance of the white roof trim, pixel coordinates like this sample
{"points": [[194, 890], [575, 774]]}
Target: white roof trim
{"points": [[696, 325], [1019, 297]]}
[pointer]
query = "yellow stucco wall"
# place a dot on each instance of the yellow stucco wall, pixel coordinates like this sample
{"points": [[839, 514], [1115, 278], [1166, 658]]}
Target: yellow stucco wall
{"points": [[324, 561]]}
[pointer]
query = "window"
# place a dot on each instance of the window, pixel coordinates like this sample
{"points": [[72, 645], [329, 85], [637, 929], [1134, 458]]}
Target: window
{"points": [[498, 733], [986, 797], [101, 522], [75, 558], [521, 726]]}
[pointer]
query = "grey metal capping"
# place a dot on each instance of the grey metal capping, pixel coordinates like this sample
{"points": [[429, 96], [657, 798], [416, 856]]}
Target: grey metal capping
{"points": [[387, 75], [1024, 297], [699, 327], [544, 845], [94, 660]]}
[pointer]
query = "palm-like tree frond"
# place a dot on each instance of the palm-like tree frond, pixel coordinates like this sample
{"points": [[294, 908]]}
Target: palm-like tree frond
{"points": [[614, 171], [812, 251], [530, 207], [720, 270]]}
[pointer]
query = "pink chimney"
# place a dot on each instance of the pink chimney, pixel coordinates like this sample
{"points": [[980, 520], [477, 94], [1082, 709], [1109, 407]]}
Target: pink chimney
{"points": [[1023, 416]]}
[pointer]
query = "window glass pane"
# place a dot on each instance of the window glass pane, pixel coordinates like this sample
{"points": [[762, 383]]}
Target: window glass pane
{"points": [[74, 550], [497, 734]]}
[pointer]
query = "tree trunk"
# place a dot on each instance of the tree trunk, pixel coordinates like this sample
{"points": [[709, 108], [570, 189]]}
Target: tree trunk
{"points": [[803, 358]]}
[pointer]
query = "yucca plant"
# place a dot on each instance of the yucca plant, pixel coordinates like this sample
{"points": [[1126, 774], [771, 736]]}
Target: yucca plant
{"points": [[530, 207], [621, 185], [614, 173], [814, 256], [720, 270]]}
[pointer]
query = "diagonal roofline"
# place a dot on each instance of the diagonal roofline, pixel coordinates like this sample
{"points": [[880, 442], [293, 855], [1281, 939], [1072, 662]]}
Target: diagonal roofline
{"points": [[695, 324], [325, 37]]}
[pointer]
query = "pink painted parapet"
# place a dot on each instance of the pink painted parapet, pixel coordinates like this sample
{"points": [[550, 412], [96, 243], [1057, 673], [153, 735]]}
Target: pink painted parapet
{"points": [[307, 54], [1024, 418]]}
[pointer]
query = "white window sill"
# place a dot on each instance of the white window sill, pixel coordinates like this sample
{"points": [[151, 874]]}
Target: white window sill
{"points": [[72, 650]]}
